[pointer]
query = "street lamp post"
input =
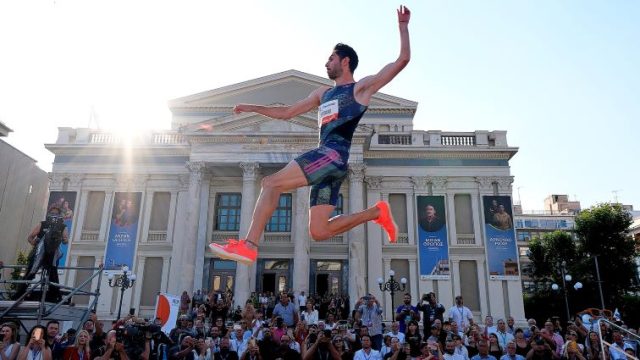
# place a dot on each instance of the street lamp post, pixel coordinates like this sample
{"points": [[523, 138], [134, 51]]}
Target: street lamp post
{"points": [[392, 286], [566, 278], [124, 282]]}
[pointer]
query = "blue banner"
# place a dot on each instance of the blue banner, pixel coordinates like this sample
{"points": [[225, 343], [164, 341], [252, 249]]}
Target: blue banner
{"points": [[66, 202], [433, 246], [123, 232], [501, 247]]}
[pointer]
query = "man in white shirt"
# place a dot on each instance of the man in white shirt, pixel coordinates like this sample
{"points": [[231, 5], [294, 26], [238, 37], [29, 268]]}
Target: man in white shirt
{"points": [[503, 336], [366, 353], [461, 314], [511, 352], [395, 332], [302, 301], [450, 352], [489, 328]]}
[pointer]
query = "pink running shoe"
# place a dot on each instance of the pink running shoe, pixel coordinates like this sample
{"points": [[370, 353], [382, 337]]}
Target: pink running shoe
{"points": [[385, 219], [236, 250]]}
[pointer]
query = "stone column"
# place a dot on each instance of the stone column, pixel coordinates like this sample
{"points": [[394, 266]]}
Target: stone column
{"points": [[137, 287], [187, 270], [106, 215], [244, 272], [357, 251], [166, 263], [201, 243], [301, 241]]}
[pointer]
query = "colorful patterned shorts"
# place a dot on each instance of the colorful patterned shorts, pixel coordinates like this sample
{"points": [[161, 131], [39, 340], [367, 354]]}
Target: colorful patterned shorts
{"points": [[325, 169]]}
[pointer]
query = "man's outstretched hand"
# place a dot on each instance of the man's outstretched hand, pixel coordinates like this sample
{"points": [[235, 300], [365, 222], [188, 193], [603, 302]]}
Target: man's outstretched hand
{"points": [[403, 14], [240, 108]]}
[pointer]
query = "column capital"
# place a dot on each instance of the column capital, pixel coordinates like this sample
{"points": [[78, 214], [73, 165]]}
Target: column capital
{"points": [[58, 179], [196, 170], [486, 182], [249, 170], [374, 182], [356, 172], [130, 182]]}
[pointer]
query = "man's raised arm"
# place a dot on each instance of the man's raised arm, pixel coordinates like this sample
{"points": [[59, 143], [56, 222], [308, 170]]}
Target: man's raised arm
{"points": [[286, 111], [371, 84]]}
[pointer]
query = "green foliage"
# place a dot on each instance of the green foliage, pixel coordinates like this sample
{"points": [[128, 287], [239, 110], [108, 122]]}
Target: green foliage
{"points": [[601, 230], [22, 258]]}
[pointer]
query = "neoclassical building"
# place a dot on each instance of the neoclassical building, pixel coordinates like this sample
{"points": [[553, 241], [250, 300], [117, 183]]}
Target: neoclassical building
{"points": [[198, 182]]}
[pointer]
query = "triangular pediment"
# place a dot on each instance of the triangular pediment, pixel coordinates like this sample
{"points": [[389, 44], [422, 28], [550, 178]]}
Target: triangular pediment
{"points": [[212, 111]]}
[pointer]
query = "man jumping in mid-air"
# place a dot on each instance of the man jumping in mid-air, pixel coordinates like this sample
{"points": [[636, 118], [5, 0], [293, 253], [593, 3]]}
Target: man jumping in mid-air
{"points": [[324, 168]]}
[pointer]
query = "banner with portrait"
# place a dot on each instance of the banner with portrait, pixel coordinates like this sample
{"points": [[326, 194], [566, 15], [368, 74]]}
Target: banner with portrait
{"points": [[123, 232], [66, 202], [501, 247], [433, 246]]}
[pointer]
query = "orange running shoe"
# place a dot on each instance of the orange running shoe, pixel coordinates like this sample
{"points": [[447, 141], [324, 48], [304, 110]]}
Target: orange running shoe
{"points": [[385, 219], [236, 250]]}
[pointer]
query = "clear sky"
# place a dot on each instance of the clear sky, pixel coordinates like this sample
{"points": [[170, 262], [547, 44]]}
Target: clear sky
{"points": [[560, 76]]}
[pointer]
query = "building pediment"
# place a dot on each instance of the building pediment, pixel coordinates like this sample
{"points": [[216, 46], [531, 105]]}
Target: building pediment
{"points": [[254, 124], [214, 108]]}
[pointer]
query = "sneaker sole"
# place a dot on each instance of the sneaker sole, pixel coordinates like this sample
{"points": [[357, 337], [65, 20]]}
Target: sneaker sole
{"points": [[221, 253]]}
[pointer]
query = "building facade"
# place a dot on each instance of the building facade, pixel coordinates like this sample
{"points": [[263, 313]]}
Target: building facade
{"points": [[23, 188], [183, 208]]}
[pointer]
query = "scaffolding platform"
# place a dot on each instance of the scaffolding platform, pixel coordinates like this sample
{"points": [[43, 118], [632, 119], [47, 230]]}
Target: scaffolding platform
{"points": [[34, 305]]}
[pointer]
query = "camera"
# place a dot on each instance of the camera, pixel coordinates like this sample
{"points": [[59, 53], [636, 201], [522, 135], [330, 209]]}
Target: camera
{"points": [[133, 337], [313, 338]]}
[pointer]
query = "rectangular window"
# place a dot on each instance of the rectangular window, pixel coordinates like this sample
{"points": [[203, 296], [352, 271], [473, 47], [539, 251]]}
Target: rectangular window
{"points": [[93, 216], [469, 284], [151, 281], [82, 276], [228, 212], [339, 210], [281, 219], [398, 203], [160, 211], [464, 214]]}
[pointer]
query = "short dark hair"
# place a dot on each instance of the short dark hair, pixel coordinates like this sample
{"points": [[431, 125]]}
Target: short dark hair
{"points": [[53, 322], [344, 50]]}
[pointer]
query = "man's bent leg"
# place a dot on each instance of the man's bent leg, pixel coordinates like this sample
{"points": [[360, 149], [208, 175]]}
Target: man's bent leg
{"points": [[322, 228], [289, 178]]}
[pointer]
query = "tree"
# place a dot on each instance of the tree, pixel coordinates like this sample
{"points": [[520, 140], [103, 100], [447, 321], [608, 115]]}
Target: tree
{"points": [[548, 253], [603, 231]]}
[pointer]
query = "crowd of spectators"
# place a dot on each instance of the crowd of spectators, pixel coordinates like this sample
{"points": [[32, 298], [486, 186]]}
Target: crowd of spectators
{"points": [[302, 327]]}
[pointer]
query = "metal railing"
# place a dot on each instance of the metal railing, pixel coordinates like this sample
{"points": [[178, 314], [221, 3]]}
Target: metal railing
{"points": [[604, 345], [42, 283]]}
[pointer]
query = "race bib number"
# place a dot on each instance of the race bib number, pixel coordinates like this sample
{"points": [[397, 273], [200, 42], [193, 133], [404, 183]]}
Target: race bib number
{"points": [[328, 112]]}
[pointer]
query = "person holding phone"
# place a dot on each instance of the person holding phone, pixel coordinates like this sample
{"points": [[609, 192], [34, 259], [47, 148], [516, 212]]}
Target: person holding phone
{"points": [[36, 347]]}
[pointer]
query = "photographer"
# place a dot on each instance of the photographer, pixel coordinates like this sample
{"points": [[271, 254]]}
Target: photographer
{"points": [[284, 351], [406, 312], [46, 238], [185, 349], [113, 349], [371, 312], [431, 311], [322, 348]]}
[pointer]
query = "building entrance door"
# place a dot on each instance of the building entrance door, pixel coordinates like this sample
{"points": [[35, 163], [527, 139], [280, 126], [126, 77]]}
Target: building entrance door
{"points": [[274, 275], [327, 277]]}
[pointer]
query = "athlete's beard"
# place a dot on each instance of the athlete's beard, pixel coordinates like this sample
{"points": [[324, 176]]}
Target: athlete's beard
{"points": [[333, 74]]}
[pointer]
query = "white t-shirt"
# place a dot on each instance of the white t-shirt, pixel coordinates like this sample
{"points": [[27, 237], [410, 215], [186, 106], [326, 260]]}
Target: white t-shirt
{"points": [[453, 356], [373, 355], [462, 315], [399, 335]]}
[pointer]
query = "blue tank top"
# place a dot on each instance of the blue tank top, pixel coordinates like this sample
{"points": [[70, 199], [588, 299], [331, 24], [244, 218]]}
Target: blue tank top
{"points": [[338, 117]]}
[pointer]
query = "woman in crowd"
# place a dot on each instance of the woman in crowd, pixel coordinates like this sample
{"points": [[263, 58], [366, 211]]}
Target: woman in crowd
{"points": [[522, 345], [386, 346], [341, 346], [9, 347], [300, 332], [185, 302], [36, 347], [309, 315], [494, 346], [413, 338], [80, 349], [594, 351]]}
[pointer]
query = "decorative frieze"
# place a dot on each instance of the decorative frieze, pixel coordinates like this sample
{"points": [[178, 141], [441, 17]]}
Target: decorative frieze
{"points": [[58, 180], [131, 181], [422, 182]]}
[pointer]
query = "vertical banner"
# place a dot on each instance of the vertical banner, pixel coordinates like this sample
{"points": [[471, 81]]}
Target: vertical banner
{"points": [[502, 251], [167, 309], [433, 246], [121, 245], [66, 202]]}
